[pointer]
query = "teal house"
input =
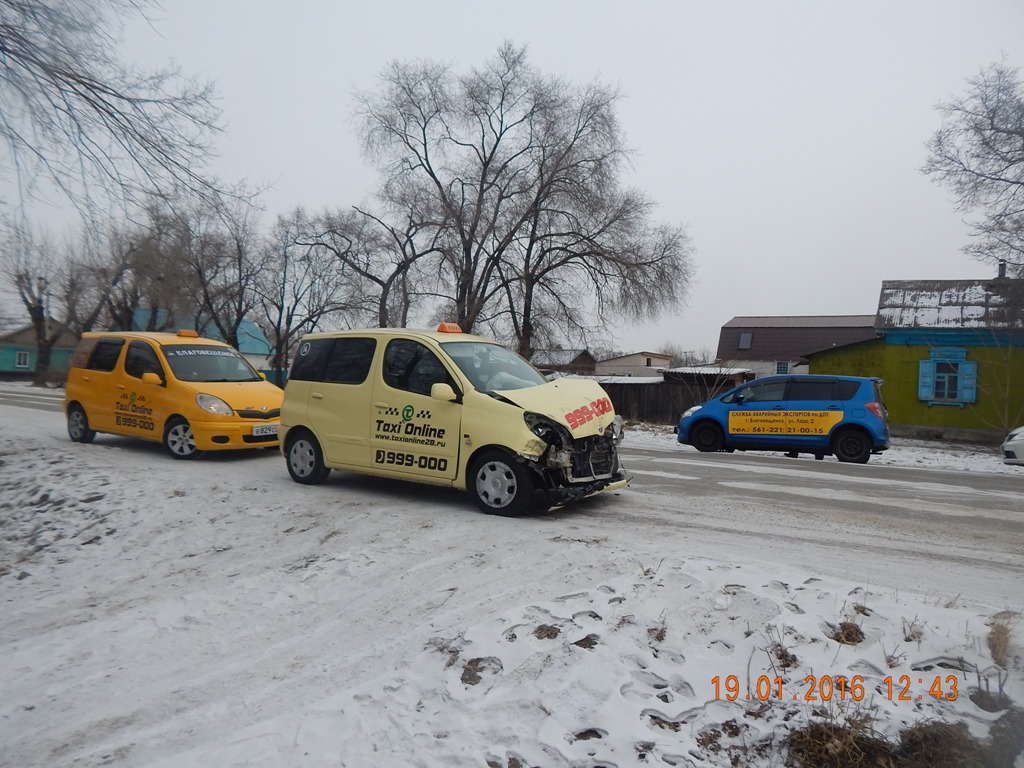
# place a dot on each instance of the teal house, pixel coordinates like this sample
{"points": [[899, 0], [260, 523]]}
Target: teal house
{"points": [[19, 354]]}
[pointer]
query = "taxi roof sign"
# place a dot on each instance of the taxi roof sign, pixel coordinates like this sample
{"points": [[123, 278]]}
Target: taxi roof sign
{"points": [[188, 333], [449, 328]]}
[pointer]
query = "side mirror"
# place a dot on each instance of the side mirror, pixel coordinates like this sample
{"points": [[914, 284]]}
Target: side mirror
{"points": [[262, 375], [443, 391], [738, 397], [152, 378]]}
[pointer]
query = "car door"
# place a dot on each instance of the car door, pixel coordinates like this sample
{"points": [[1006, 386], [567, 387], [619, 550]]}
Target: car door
{"points": [[813, 410], [412, 433], [140, 408], [757, 414], [97, 389], [339, 397]]}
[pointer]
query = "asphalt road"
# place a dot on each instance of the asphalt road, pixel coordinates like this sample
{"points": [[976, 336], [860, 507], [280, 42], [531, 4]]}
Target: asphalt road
{"points": [[944, 528], [31, 397], [941, 527]]}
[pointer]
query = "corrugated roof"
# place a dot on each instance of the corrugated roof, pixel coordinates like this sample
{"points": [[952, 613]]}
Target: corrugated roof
{"points": [[995, 303], [802, 321]]}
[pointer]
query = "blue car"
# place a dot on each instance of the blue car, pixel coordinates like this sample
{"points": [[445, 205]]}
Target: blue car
{"points": [[822, 415]]}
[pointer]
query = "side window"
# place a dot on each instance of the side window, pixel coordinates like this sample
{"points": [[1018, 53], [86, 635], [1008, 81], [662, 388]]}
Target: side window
{"points": [[760, 393], [411, 366], [846, 390], [141, 359], [810, 389], [104, 354], [310, 360], [948, 377], [349, 361]]}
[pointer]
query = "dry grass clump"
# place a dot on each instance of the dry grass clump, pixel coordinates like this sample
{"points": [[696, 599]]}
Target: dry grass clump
{"points": [[938, 745], [913, 631], [830, 745], [932, 744], [847, 632], [999, 633]]}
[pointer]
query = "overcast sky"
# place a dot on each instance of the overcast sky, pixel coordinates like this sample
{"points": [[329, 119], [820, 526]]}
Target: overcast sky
{"points": [[787, 136]]}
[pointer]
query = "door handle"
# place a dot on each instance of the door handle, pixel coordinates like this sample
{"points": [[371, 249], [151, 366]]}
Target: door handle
{"points": [[317, 395], [381, 405]]}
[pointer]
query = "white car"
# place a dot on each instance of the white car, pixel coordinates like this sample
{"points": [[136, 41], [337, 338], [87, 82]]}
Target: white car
{"points": [[1013, 447]]}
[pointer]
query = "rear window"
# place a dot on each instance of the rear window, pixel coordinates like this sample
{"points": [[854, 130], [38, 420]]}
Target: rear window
{"points": [[349, 361], [310, 360], [336, 361], [104, 355], [847, 390]]}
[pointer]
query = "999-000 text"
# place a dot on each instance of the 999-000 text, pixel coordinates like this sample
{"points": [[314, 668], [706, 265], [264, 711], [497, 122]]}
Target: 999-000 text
{"points": [[411, 460]]}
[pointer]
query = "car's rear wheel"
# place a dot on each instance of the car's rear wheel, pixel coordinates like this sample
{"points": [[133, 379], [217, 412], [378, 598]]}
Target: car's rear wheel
{"points": [[179, 440], [500, 484], [707, 437], [305, 459], [851, 445], [78, 425]]}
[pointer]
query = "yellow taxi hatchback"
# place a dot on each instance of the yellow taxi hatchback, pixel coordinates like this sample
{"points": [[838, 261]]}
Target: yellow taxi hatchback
{"points": [[447, 408], [189, 393]]}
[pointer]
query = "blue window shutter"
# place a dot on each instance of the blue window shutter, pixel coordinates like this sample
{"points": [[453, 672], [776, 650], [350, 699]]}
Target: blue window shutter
{"points": [[926, 380], [968, 383]]}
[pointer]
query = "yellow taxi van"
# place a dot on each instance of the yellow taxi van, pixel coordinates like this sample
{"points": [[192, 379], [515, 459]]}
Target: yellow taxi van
{"points": [[189, 393], [447, 408]]}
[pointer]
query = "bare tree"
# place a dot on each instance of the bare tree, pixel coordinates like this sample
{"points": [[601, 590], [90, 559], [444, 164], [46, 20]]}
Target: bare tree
{"points": [[301, 286], [63, 289], [153, 294], [376, 259], [217, 254], [515, 179], [978, 153], [70, 111]]}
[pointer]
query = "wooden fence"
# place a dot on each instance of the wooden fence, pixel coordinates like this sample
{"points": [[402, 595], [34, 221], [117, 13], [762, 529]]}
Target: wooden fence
{"points": [[656, 402]]}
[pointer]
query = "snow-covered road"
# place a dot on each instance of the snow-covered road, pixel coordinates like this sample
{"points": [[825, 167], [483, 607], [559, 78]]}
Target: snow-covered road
{"points": [[213, 613]]}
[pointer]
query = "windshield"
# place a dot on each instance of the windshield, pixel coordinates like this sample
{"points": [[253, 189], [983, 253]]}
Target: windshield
{"points": [[491, 367], [198, 362]]}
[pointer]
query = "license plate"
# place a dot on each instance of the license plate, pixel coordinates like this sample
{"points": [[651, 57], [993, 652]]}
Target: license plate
{"points": [[264, 430]]}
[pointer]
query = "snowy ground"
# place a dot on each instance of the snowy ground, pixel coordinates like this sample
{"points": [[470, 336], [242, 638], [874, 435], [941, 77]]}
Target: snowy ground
{"points": [[213, 613]]}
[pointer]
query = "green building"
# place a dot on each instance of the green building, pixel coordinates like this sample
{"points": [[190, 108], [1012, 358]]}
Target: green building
{"points": [[951, 353]]}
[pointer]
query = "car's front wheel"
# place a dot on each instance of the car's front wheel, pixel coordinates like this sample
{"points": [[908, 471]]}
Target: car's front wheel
{"points": [[707, 437], [305, 459], [179, 440], [500, 484], [851, 445], [78, 425]]}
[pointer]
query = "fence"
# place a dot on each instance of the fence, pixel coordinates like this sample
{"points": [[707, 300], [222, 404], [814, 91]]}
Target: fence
{"points": [[656, 402]]}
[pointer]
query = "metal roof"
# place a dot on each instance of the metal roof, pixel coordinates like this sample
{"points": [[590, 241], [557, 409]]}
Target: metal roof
{"points": [[997, 303], [802, 321]]}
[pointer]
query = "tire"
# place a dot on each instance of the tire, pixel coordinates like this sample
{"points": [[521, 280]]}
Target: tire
{"points": [[707, 437], [500, 484], [179, 440], [305, 459], [78, 425], [852, 446]]}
